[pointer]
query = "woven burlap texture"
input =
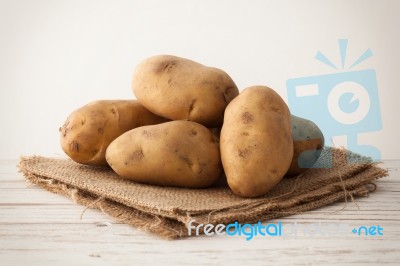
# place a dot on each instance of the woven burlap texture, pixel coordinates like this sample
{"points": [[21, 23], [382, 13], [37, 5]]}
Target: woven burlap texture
{"points": [[166, 211]]}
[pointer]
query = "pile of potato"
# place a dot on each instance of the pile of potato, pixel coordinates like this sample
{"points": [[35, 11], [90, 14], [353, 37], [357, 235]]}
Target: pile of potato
{"points": [[191, 127]]}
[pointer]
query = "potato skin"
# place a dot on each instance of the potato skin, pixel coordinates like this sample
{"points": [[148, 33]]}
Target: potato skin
{"points": [[256, 141], [181, 89], [308, 142], [176, 153], [89, 130]]}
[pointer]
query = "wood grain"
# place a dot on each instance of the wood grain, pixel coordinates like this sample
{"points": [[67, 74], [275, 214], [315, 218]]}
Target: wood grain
{"points": [[41, 228]]}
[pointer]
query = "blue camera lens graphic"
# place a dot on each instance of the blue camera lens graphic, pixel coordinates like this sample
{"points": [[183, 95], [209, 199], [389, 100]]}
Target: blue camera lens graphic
{"points": [[340, 105], [347, 104]]}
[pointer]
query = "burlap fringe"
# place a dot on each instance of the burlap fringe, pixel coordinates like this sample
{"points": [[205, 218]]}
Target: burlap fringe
{"points": [[122, 213], [175, 228]]}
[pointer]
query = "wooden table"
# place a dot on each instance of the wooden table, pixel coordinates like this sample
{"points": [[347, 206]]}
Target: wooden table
{"points": [[41, 228]]}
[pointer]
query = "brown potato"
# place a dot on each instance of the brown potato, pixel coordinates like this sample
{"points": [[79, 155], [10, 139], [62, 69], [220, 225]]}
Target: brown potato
{"points": [[256, 142], [181, 89], [308, 142], [176, 153], [89, 130]]}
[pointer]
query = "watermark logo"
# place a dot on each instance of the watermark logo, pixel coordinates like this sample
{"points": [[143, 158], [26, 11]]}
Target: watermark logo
{"points": [[279, 229], [344, 103], [374, 230]]}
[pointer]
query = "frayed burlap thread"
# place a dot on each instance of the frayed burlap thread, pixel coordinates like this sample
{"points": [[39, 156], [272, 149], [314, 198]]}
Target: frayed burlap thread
{"points": [[166, 211]]}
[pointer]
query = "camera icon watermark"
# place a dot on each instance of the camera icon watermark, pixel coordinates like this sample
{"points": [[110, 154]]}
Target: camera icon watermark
{"points": [[344, 103]]}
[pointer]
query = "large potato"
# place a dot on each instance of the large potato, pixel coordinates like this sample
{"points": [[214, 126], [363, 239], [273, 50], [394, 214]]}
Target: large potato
{"points": [[308, 142], [256, 141], [181, 89], [176, 153], [89, 130]]}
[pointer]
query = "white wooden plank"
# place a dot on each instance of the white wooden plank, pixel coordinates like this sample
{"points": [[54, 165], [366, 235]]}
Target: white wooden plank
{"points": [[41, 228]]}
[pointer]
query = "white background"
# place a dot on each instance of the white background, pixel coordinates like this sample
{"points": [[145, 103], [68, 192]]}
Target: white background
{"points": [[55, 56]]}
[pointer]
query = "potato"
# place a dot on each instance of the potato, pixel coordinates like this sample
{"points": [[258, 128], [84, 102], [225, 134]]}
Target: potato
{"points": [[256, 141], [89, 130], [181, 89], [308, 142], [176, 153]]}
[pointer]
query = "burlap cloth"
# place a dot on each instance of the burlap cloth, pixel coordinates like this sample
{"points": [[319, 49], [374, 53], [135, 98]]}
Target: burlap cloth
{"points": [[166, 211]]}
